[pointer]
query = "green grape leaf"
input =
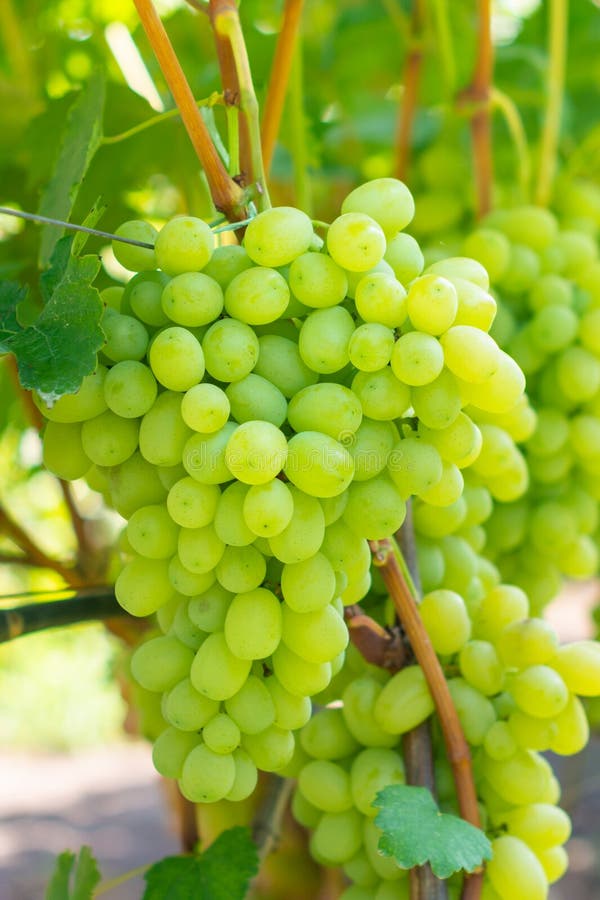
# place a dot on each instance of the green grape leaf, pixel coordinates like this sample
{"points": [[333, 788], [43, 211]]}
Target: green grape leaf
{"points": [[222, 872], [11, 294], [416, 832], [81, 138], [85, 876]]}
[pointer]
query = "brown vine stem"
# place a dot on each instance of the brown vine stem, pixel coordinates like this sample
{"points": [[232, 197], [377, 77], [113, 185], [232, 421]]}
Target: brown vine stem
{"points": [[478, 93], [385, 556], [266, 825], [411, 79], [233, 58], [379, 646], [33, 555], [557, 51], [279, 78], [228, 197]]}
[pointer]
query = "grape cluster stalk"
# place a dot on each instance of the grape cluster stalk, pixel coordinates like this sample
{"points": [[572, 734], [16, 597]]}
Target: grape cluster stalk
{"points": [[260, 414]]}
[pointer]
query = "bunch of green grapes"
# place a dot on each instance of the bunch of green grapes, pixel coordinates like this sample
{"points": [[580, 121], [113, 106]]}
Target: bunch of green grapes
{"points": [[517, 694], [547, 281], [260, 413]]}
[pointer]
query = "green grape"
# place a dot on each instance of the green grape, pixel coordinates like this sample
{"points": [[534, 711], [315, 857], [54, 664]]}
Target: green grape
{"points": [[333, 507], [130, 389], [268, 508], [329, 408], [551, 432], [256, 452], [252, 708], [432, 304], [381, 395], [221, 734], [360, 871], [404, 701], [241, 569], [304, 534], [370, 448], [208, 609], [469, 353], [309, 585], [216, 672], [375, 508], [476, 712], [63, 452], [555, 862], [439, 521], [531, 733], [317, 637], [200, 549], [126, 338], [431, 563], [447, 621], [371, 346], [304, 812], [109, 440], [448, 489], [405, 257], [385, 866], [337, 837], [279, 362], [291, 711], [277, 236], [176, 358], [380, 298], [326, 736], [573, 730], [257, 296], [501, 606], [136, 259], [253, 624], [515, 871], [152, 532], [245, 779], [553, 328], [160, 663], [522, 271], [229, 522], [578, 374], [461, 267], [589, 331], [192, 504], [163, 433], [414, 465], [437, 404], [476, 306], [359, 699], [491, 248], [579, 666], [417, 358], [317, 464], [142, 298], [393, 890], [230, 350], [190, 584], [346, 551], [227, 262], [204, 455], [499, 742], [186, 630], [526, 643], [143, 586], [186, 709], [531, 225], [480, 666], [87, 403], [540, 825], [133, 484], [326, 785], [521, 779], [373, 770], [387, 200], [192, 299], [207, 776], [298, 676], [253, 397], [355, 242], [171, 749], [184, 244], [111, 297], [460, 443], [324, 338], [317, 281], [271, 749], [584, 432]]}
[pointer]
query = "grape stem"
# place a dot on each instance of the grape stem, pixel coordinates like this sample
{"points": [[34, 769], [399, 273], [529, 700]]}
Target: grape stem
{"points": [[87, 605], [478, 93], [279, 78], [557, 52], [386, 556], [34, 556], [266, 824], [239, 91], [227, 195], [215, 99], [379, 646], [411, 80], [509, 110]]}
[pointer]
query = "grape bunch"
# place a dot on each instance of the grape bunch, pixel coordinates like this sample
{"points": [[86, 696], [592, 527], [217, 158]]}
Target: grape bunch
{"points": [[259, 414]]}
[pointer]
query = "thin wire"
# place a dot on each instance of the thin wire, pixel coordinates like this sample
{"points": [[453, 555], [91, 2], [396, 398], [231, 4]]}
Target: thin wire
{"points": [[33, 217]]}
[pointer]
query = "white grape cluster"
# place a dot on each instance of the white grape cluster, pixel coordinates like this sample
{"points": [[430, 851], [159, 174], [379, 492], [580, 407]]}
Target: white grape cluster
{"points": [[261, 412], [548, 279]]}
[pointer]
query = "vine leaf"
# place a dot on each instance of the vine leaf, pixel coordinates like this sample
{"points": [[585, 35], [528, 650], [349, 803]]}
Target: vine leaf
{"points": [[81, 870], [222, 872], [60, 347], [416, 832], [81, 138]]}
